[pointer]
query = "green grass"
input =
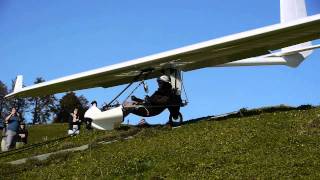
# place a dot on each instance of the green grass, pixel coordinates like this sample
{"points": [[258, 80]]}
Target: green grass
{"points": [[39, 133], [274, 145], [47, 133]]}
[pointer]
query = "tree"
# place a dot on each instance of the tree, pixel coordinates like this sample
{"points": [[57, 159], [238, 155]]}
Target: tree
{"points": [[3, 92], [21, 104], [43, 107], [68, 103]]}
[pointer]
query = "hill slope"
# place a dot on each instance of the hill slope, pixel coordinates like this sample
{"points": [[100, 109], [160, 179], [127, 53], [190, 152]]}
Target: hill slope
{"points": [[278, 145]]}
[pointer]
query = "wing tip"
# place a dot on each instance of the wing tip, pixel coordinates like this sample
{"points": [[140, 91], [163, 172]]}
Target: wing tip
{"points": [[18, 87], [10, 95]]}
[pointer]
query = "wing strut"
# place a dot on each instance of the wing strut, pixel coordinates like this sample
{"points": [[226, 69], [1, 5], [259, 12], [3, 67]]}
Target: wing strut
{"points": [[136, 78], [133, 81], [177, 83]]}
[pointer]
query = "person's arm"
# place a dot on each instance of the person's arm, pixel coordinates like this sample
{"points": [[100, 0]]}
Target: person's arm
{"points": [[73, 118], [8, 118]]}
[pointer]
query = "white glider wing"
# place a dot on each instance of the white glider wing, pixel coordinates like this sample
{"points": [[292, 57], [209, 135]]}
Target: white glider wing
{"points": [[201, 55]]}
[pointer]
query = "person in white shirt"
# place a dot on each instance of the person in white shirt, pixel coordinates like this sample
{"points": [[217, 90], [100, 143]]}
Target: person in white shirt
{"points": [[74, 123], [92, 110]]}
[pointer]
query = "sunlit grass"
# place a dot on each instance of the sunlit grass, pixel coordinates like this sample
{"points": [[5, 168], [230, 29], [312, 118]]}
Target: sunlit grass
{"points": [[269, 145]]}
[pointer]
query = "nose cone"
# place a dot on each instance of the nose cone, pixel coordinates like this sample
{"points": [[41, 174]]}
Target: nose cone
{"points": [[107, 120]]}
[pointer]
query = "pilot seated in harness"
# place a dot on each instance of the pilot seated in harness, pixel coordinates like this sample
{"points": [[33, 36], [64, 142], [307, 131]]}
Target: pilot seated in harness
{"points": [[164, 97]]}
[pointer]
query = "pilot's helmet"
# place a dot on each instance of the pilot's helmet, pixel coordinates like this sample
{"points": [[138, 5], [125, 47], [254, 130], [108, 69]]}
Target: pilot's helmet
{"points": [[164, 78]]}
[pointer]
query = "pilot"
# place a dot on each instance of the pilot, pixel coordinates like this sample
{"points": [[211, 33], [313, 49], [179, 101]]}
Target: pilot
{"points": [[153, 105]]}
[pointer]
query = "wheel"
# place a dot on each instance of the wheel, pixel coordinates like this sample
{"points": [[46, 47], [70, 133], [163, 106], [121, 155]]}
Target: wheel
{"points": [[178, 120]]}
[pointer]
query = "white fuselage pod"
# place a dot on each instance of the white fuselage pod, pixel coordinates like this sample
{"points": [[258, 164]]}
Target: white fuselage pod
{"points": [[105, 120]]}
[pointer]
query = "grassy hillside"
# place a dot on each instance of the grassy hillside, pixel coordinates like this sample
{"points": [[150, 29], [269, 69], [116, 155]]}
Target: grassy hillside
{"points": [[49, 133], [280, 144]]}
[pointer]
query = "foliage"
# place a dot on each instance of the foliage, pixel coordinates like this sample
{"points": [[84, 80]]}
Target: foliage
{"points": [[21, 104], [3, 92], [67, 104], [42, 108]]}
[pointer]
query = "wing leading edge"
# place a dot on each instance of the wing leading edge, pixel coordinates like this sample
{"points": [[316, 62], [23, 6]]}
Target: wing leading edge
{"points": [[201, 55]]}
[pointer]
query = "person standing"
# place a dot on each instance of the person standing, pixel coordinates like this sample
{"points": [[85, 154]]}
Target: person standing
{"points": [[12, 121]]}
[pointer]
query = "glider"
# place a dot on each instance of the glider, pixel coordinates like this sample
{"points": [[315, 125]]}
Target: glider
{"points": [[287, 43]]}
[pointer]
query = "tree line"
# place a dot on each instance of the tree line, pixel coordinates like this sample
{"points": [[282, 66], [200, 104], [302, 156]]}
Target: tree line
{"points": [[42, 109]]}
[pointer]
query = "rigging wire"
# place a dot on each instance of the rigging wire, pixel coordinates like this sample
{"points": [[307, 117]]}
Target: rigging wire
{"points": [[184, 89], [114, 99], [142, 82]]}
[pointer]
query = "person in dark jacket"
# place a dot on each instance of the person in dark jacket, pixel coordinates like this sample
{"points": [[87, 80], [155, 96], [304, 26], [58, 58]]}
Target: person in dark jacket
{"points": [[22, 137], [12, 121], [153, 105]]}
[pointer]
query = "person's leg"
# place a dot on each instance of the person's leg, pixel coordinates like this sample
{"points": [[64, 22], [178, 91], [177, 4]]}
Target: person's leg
{"points": [[141, 111], [14, 141], [128, 107], [70, 132], [3, 144], [75, 129], [10, 140]]}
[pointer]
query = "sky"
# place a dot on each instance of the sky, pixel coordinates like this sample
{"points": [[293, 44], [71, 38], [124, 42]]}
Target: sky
{"points": [[52, 39]]}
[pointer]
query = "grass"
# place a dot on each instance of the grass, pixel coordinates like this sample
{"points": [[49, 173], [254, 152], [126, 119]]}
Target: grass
{"points": [[45, 133], [277, 144], [39, 133]]}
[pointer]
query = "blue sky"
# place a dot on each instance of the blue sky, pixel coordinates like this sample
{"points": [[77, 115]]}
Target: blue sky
{"points": [[52, 39]]}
